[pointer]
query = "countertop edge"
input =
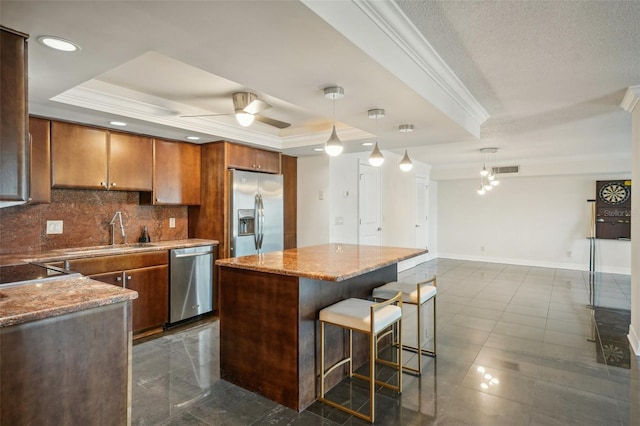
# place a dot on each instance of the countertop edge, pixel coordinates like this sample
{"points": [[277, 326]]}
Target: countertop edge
{"points": [[56, 255], [231, 263], [89, 300]]}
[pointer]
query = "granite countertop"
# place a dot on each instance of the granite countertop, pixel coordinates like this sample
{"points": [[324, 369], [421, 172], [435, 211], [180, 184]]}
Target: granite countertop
{"points": [[73, 293], [327, 262], [108, 250]]}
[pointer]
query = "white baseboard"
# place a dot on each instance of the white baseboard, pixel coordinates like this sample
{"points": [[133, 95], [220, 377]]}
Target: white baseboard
{"points": [[414, 261], [634, 340], [537, 263]]}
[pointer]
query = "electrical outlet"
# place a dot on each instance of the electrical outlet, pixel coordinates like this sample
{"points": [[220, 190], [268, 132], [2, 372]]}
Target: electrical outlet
{"points": [[54, 227], [339, 220], [172, 222]]}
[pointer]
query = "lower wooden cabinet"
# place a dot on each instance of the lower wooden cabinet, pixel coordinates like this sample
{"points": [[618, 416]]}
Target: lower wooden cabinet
{"points": [[146, 273]]}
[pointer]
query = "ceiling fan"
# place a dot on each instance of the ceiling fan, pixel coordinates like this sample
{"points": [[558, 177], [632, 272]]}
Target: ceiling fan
{"points": [[247, 108]]}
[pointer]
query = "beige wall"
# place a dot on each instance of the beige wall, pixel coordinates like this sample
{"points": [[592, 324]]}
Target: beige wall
{"points": [[633, 94]]}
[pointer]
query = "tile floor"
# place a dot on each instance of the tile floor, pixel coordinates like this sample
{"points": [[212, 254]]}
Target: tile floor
{"points": [[528, 327]]}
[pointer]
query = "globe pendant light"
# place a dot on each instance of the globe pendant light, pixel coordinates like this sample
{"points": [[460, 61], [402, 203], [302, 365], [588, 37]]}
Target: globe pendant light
{"points": [[333, 146], [376, 158]]}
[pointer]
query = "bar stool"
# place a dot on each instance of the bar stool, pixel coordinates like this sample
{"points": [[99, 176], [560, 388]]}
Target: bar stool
{"points": [[414, 294], [372, 319]]}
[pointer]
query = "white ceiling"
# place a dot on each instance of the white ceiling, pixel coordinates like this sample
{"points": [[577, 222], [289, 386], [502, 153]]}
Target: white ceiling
{"points": [[540, 80]]}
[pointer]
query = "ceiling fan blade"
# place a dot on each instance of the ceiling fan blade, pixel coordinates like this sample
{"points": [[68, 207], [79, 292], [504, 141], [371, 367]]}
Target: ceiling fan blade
{"points": [[202, 115], [256, 106], [271, 122]]}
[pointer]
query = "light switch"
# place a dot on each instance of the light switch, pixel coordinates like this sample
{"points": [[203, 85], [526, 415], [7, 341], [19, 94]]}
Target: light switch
{"points": [[172, 222]]}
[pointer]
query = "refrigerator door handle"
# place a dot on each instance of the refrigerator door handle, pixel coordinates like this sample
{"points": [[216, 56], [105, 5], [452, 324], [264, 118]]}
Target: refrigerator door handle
{"points": [[256, 213], [260, 219]]}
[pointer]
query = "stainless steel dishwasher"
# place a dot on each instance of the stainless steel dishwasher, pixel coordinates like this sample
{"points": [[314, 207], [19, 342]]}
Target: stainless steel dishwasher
{"points": [[191, 283]]}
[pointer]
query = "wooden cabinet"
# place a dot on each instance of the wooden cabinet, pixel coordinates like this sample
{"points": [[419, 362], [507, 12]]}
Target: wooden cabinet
{"points": [[13, 117], [248, 158], [39, 161], [176, 174], [130, 162], [290, 195], [146, 273], [91, 158]]}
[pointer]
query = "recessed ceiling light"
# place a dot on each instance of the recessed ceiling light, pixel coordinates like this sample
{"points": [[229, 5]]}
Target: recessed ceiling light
{"points": [[367, 144], [118, 123], [318, 149], [58, 43], [193, 138]]}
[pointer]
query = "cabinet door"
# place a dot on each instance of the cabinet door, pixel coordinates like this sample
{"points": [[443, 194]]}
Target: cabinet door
{"points": [[176, 173], [13, 117], [241, 157], [151, 308], [267, 161], [290, 200], [130, 162], [40, 161], [114, 278], [78, 156]]}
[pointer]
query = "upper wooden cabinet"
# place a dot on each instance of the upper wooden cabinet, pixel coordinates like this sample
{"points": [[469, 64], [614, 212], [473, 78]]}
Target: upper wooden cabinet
{"points": [[248, 158], [176, 174], [130, 162], [91, 158], [39, 161], [13, 116]]}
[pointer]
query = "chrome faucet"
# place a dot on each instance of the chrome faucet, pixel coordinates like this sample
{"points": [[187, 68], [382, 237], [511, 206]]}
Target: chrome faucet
{"points": [[118, 215]]}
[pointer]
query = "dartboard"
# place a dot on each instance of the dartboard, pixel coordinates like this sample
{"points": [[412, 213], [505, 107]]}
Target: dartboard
{"points": [[614, 193]]}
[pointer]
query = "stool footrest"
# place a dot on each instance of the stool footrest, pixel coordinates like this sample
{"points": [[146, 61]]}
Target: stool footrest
{"points": [[336, 365]]}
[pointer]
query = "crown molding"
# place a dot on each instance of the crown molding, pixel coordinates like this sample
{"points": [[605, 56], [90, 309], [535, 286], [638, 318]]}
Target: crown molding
{"points": [[385, 33], [631, 98], [116, 100]]}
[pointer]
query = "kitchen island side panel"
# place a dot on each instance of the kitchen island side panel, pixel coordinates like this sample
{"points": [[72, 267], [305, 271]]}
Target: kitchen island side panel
{"points": [[68, 369], [258, 333], [269, 333]]}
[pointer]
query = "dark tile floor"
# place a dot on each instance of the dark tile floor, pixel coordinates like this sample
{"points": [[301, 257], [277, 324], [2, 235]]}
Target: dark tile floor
{"points": [[528, 328]]}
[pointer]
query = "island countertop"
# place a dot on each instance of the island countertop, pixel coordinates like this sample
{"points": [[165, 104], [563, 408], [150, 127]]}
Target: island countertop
{"points": [[327, 262], [30, 302]]}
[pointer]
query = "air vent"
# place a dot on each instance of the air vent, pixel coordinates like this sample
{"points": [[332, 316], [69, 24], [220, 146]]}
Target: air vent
{"points": [[506, 170]]}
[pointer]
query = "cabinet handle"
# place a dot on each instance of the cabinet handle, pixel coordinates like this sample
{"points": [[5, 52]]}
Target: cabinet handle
{"points": [[113, 184], [128, 277], [118, 278], [253, 165], [102, 184], [259, 166]]}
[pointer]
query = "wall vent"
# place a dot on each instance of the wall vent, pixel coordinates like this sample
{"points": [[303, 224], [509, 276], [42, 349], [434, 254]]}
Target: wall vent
{"points": [[506, 170]]}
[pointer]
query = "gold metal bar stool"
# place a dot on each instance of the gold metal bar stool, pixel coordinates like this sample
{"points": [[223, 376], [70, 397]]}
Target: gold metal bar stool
{"points": [[372, 319], [413, 294]]}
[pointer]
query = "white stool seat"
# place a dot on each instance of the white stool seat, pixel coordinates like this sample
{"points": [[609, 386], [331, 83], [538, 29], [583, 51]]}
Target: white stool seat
{"points": [[356, 314], [376, 321], [409, 292]]}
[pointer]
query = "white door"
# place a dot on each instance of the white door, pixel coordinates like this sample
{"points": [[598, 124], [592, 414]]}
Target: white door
{"points": [[422, 204], [369, 206]]}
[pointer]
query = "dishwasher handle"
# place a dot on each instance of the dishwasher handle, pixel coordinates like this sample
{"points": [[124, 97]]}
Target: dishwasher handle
{"points": [[201, 253]]}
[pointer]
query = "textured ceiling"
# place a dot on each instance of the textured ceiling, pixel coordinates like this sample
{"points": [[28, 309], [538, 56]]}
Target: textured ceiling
{"points": [[550, 74]]}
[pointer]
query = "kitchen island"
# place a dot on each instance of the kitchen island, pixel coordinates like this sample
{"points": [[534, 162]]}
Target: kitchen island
{"points": [[269, 305], [65, 352]]}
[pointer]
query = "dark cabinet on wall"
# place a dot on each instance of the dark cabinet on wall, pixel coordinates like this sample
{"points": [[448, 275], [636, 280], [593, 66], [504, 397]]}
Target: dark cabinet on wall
{"points": [[92, 158], [13, 116], [176, 174]]}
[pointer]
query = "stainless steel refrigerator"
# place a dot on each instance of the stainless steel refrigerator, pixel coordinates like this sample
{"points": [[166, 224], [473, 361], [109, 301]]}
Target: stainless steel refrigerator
{"points": [[256, 213]]}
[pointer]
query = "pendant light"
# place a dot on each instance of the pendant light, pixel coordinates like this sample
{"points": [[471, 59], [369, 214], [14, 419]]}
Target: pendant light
{"points": [[487, 179], [405, 164], [333, 146], [376, 158]]}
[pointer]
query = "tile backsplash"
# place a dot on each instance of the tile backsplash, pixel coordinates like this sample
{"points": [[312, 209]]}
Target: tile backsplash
{"points": [[86, 215]]}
